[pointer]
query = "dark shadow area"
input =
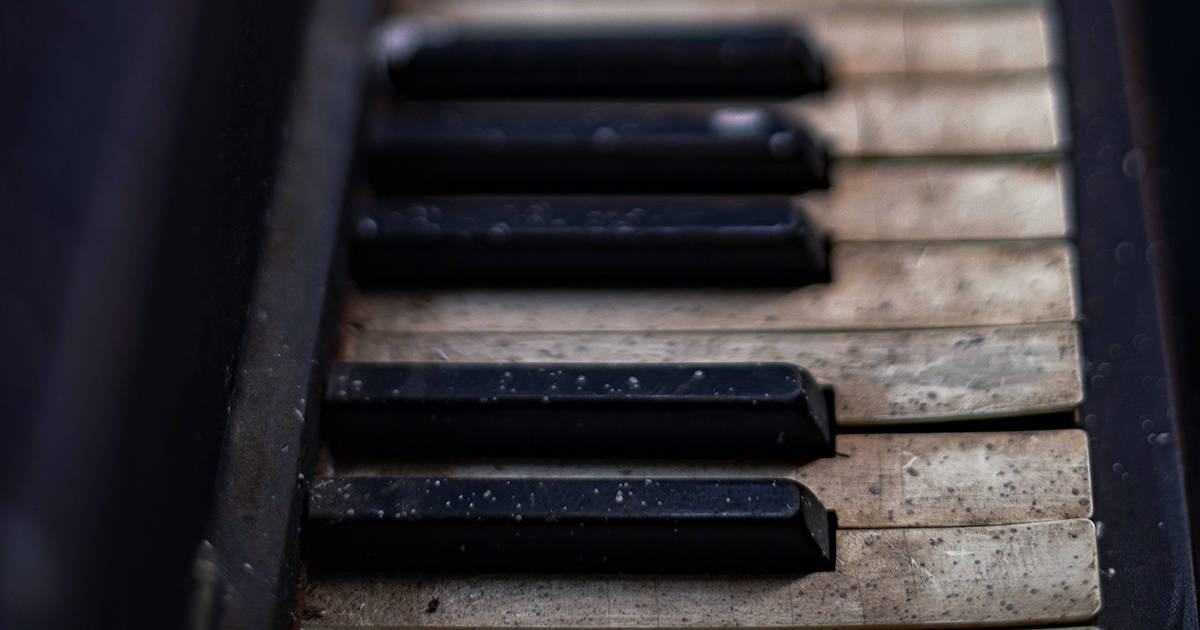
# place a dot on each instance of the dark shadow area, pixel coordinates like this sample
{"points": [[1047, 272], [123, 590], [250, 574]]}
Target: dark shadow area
{"points": [[1159, 49], [140, 139], [1133, 421]]}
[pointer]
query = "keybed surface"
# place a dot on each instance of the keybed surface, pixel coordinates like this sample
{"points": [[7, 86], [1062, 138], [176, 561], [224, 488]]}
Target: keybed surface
{"points": [[953, 298]]}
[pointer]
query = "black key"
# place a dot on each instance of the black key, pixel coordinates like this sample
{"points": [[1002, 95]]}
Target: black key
{"points": [[439, 59], [533, 148], [579, 525], [670, 241], [758, 411]]}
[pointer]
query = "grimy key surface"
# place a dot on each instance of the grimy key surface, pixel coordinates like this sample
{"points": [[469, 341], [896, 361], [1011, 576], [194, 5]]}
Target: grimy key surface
{"points": [[923, 577], [614, 148], [874, 286], [590, 525], [881, 377], [573, 240], [880, 480], [759, 411], [442, 59]]}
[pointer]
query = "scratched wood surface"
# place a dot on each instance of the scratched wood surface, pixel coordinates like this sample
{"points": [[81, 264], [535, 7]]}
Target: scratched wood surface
{"points": [[880, 376], [877, 481], [860, 38], [914, 577], [875, 286], [901, 200]]}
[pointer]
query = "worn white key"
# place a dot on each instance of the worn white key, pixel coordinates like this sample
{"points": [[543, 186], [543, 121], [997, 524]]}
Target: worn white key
{"points": [[874, 286], [854, 42], [896, 116], [880, 377], [942, 200], [897, 41], [903, 578], [877, 481], [962, 41]]}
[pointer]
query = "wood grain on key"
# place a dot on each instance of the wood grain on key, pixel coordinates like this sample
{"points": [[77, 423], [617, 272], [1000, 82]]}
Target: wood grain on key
{"points": [[899, 200], [880, 377], [861, 38], [877, 481], [897, 116], [995, 575], [875, 286]]}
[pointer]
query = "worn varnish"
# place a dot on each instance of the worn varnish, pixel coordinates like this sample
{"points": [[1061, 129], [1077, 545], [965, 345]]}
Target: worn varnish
{"points": [[899, 200], [997, 575], [877, 481], [874, 286], [880, 376]]}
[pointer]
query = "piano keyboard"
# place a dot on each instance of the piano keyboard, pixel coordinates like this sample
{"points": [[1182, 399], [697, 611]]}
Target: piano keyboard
{"points": [[951, 299]]}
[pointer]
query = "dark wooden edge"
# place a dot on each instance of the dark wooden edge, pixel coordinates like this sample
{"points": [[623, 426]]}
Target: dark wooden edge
{"points": [[1141, 515], [246, 568], [140, 139]]}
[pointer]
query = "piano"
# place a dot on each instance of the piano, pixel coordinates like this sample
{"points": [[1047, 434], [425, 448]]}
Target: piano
{"points": [[983, 335]]}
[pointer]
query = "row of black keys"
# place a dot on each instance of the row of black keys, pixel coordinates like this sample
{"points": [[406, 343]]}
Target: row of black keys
{"points": [[589, 195], [559, 222], [427, 57], [744, 411], [593, 187]]}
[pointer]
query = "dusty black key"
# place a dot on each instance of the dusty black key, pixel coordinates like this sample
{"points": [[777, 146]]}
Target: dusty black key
{"points": [[758, 411], [581, 148], [580, 525], [665, 240], [440, 59]]}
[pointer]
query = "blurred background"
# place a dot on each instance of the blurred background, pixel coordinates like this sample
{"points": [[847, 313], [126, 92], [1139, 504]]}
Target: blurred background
{"points": [[138, 143]]}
